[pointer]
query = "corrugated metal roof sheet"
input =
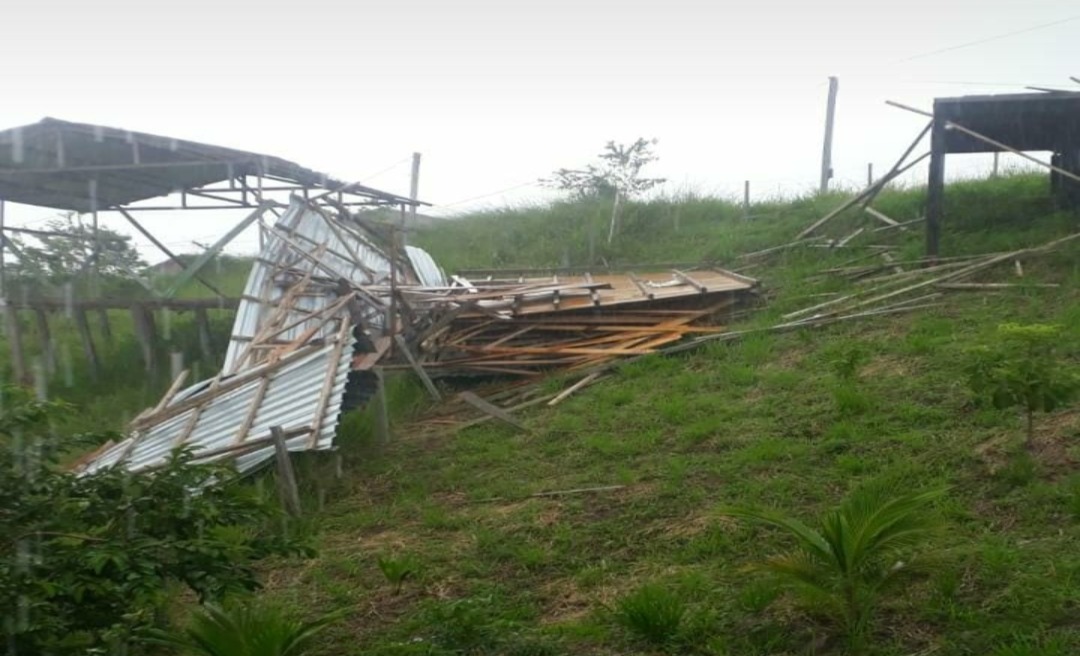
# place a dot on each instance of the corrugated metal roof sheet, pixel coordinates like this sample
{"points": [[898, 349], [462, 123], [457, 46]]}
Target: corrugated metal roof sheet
{"points": [[291, 349], [292, 396]]}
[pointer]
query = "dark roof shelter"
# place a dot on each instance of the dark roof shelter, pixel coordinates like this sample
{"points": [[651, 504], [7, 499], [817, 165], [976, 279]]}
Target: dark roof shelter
{"points": [[1004, 123], [92, 168]]}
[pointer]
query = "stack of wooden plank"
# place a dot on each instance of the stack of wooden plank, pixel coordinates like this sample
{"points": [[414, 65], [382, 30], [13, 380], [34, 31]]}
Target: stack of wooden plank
{"points": [[525, 326]]}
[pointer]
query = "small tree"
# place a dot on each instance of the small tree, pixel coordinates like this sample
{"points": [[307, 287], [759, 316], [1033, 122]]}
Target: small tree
{"points": [[1023, 368], [863, 549], [617, 175], [74, 250]]}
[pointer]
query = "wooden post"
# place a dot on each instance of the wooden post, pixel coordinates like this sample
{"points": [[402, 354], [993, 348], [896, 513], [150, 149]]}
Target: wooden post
{"points": [[83, 326], [14, 337], [286, 477], [994, 173], [48, 351], [935, 194], [746, 200], [202, 319], [493, 410], [143, 323], [106, 329], [826, 151], [869, 173], [382, 410], [414, 191]]}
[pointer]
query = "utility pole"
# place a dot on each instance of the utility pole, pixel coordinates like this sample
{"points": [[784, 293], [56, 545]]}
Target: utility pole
{"points": [[826, 151], [414, 191]]}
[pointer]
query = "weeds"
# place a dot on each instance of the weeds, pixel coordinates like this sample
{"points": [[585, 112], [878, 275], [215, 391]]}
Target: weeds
{"points": [[398, 570], [652, 613]]}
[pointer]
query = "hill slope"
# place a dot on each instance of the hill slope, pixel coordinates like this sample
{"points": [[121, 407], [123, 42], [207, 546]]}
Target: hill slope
{"points": [[765, 421]]}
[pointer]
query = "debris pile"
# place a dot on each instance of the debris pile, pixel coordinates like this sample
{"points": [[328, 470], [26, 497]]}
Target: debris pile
{"points": [[332, 297]]}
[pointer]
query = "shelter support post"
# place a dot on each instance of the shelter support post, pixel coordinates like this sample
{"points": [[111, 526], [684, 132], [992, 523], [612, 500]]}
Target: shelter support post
{"points": [[935, 195]]}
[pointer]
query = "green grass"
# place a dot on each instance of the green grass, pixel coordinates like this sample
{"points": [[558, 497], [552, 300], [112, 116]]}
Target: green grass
{"points": [[793, 421]]}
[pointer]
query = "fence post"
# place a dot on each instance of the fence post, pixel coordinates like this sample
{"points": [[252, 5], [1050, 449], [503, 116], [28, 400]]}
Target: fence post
{"points": [[286, 477], [746, 200]]}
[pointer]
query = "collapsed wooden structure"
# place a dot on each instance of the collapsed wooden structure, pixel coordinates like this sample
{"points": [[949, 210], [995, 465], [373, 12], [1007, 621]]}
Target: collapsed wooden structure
{"points": [[332, 299]]}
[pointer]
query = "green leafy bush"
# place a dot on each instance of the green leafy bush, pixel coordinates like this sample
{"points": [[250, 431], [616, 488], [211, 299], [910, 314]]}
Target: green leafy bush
{"points": [[85, 560], [1024, 368]]}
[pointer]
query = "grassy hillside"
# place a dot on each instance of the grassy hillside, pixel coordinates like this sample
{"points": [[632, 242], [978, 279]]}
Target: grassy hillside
{"points": [[766, 421]]}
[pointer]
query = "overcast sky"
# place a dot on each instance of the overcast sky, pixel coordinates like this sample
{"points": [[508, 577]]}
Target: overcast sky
{"points": [[497, 93]]}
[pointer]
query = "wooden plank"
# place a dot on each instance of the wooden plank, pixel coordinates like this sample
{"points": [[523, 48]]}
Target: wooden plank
{"points": [[690, 281], [286, 477], [493, 410], [862, 195], [881, 216], [14, 337], [584, 382], [432, 390], [83, 328], [193, 269], [641, 286]]}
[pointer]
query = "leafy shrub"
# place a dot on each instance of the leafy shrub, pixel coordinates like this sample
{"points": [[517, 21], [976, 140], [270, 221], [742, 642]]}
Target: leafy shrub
{"points": [[863, 549], [87, 559], [1023, 368], [652, 613]]}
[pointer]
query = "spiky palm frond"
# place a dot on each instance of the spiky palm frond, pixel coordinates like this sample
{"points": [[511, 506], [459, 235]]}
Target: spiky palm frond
{"points": [[860, 550], [249, 630]]}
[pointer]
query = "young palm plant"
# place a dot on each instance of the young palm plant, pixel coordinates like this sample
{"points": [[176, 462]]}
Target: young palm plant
{"points": [[243, 630], [862, 549]]}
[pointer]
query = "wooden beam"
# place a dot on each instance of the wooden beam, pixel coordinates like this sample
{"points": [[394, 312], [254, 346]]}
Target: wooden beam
{"points": [[493, 410], [164, 249], [214, 249], [690, 281], [416, 367]]}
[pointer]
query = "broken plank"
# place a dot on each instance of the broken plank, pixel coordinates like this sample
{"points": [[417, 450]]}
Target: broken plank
{"points": [[493, 410], [432, 390], [573, 388]]}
